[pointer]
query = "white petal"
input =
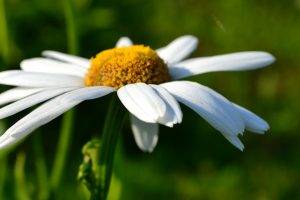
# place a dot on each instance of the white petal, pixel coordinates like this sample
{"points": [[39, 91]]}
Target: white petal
{"points": [[45, 65], [253, 122], [16, 94], [173, 108], [83, 62], [145, 134], [31, 100], [230, 109], [179, 49], [124, 42], [235, 141], [8, 141], [35, 79], [228, 62], [49, 111], [214, 109], [142, 101]]}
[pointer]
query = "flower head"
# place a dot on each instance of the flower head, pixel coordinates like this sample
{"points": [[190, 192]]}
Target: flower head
{"points": [[125, 65], [146, 82]]}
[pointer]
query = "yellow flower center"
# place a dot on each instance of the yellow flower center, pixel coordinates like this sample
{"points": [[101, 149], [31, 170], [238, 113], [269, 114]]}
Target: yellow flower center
{"points": [[121, 66]]}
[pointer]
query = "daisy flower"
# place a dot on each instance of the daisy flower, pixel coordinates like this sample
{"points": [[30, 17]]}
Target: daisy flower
{"points": [[148, 83]]}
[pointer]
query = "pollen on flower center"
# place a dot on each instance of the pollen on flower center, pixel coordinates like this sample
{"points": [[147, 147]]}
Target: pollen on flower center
{"points": [[121, 66]]}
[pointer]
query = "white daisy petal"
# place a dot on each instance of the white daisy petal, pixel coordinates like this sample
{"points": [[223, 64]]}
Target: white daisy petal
{"points": [[16, 94], [8, 141], [124, 42], [145, 134], [49, 111], [132, 106], [214, 109], [179, 49], [173, 110], [235, 141], [31, 100], [253, 122], [142, 101], [228, 62], [45, 65], [83, 62], [36, 79], [230, 108]]}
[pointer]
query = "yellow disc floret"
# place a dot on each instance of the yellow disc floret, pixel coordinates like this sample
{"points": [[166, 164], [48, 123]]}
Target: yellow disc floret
{"points": [[121, 66]]}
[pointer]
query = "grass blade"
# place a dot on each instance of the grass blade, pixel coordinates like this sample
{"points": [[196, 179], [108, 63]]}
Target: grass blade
{"points": [[68, 118], [4, 36]]}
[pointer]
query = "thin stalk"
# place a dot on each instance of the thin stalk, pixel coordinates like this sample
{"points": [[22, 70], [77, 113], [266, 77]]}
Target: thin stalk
{"points": [[4, 36], [68, 118], [3, 171], [71, 26], [6, 54], [22, 190], [41, 168], [3, 165], [111, 130], [62, 149]]}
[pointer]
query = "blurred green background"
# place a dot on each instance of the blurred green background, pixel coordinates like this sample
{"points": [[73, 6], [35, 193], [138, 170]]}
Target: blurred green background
{"points": [[192, 161]]}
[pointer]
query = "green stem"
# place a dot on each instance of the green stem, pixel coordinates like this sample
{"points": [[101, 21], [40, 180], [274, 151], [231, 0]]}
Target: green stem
{"points": [[68, 118], [41, 168], [4, 38], [62, 149], [112, 127], [71, 26], [22, 192], [3, 165], [5, 52], [3, 171]]}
